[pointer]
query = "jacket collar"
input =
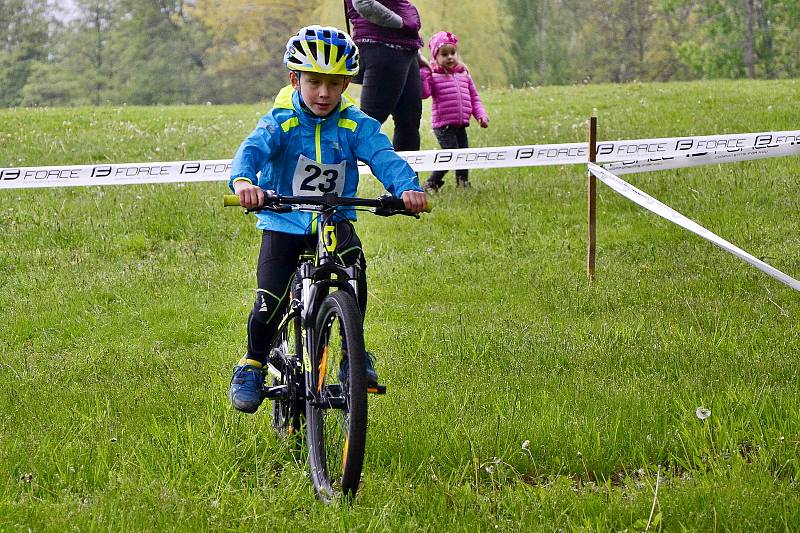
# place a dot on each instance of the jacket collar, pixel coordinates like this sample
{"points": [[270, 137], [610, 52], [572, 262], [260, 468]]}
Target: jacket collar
{"points": [[289, 98], [437, 68]]}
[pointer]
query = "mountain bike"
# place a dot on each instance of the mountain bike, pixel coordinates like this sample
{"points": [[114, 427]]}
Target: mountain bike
{"points": [[317, 364]]}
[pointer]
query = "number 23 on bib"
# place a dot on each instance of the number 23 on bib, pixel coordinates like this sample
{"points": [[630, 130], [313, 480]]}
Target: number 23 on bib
{"points": [[315, 179]]}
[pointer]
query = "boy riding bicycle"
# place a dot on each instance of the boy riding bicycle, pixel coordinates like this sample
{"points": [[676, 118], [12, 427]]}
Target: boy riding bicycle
{"points": [[309, 144]]}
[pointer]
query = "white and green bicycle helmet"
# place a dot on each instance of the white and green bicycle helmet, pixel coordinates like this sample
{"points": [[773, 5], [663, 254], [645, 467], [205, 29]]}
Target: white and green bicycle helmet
{"points": [[322, 49]]}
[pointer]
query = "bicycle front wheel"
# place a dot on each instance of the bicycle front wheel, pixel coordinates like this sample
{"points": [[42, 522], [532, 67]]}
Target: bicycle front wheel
{"points": [[336, 419]]}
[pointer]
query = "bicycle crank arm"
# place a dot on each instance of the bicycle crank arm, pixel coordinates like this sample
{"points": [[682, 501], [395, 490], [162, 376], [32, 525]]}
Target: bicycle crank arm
{"points": [[276, 392], [379, 389]]}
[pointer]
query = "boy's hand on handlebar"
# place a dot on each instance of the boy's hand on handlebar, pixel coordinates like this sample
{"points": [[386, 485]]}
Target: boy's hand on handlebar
{"points": [[415, 201], [250, 196]]}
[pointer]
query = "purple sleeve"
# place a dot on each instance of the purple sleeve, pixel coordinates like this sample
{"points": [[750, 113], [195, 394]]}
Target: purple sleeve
{"points": [[425, 79], [409, 14], [477, 106]]}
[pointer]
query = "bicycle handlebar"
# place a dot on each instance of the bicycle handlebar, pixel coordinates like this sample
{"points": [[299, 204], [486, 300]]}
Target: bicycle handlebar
{"points": [[384, 205]]}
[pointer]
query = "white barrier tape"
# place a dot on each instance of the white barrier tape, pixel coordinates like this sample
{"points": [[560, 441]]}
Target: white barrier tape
{"points": [[116, 174], [707, 158], [424, 160], [607, 151], [648, 202], [219, 170]]}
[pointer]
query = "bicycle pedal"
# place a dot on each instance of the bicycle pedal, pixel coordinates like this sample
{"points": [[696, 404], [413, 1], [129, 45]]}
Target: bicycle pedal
{"points": [[378, 389]]}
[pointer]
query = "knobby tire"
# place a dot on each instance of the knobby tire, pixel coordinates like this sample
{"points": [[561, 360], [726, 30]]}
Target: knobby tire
{"points": [[337, 424]]}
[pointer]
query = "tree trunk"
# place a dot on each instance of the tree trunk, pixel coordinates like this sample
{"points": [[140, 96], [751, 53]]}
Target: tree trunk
{"points": [[749, 60], [766, 53]]}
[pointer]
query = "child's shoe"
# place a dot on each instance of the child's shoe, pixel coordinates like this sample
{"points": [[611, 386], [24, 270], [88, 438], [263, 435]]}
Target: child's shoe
{"points": [[463, 182], [247, 384], [372, 374], [432, 186]]}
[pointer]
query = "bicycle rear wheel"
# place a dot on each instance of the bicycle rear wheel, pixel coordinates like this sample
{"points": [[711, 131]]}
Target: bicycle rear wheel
{"points": [[336, 420]]}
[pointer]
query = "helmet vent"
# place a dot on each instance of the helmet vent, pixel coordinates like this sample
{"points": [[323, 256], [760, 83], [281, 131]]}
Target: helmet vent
{"points": [[326, 51]]}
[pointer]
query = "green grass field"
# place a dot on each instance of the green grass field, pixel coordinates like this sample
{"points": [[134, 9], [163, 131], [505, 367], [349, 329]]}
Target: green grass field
{"points": [[521, 396]]}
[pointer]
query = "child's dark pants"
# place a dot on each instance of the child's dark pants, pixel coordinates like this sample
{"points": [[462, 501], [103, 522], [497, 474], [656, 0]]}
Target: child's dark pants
{"points": [[451, 137], [277, 263]]}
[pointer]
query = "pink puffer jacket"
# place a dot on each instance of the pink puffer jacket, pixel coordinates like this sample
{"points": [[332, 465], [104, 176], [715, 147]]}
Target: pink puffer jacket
{"points": [[455, 98]]}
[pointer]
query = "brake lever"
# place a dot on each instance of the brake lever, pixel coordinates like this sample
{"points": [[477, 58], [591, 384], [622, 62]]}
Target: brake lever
{"points": [[273, 208]]}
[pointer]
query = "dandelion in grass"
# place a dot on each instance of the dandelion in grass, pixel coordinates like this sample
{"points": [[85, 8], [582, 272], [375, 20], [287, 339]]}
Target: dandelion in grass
{"points": [[526, 447], [702, 413], [490, 465]]}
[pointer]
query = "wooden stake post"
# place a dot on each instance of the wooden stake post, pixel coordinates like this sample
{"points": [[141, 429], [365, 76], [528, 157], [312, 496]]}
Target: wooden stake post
{"points": [[592, 197]]}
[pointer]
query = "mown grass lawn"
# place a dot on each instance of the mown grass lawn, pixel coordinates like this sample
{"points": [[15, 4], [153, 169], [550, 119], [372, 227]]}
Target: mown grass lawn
{"points": [[521, 396]]}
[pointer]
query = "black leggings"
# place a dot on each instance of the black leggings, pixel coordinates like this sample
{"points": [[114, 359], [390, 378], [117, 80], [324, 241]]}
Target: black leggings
{"points": [[391, 86], [277, 263], [450, 138]]}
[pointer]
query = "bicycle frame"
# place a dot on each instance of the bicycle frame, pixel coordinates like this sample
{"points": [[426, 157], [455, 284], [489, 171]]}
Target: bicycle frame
{"points": [[316, 274], [327, 323]]}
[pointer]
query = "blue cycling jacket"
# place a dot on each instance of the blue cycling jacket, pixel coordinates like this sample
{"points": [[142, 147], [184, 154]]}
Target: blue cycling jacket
{"points": [[294, 152]]}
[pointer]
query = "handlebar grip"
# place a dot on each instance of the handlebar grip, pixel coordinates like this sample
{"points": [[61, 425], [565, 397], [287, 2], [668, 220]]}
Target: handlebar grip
{"points": [[230, 200], [400, 205], [393, 203]]}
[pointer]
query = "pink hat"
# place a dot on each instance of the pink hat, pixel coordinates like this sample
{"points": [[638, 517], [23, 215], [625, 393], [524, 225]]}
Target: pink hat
{"points": [[440, 39]]}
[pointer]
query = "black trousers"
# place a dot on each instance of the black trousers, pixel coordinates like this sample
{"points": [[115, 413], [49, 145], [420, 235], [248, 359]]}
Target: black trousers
{"points": [[391, 86], [450, 137], [277, 263]]}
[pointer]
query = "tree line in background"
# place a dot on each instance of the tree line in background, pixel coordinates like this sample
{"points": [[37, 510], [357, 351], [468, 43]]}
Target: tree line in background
{"points": [[226, 51]]}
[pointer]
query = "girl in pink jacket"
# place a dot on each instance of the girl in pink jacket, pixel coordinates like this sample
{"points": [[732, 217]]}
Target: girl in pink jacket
{"points": [[455, 100]]}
